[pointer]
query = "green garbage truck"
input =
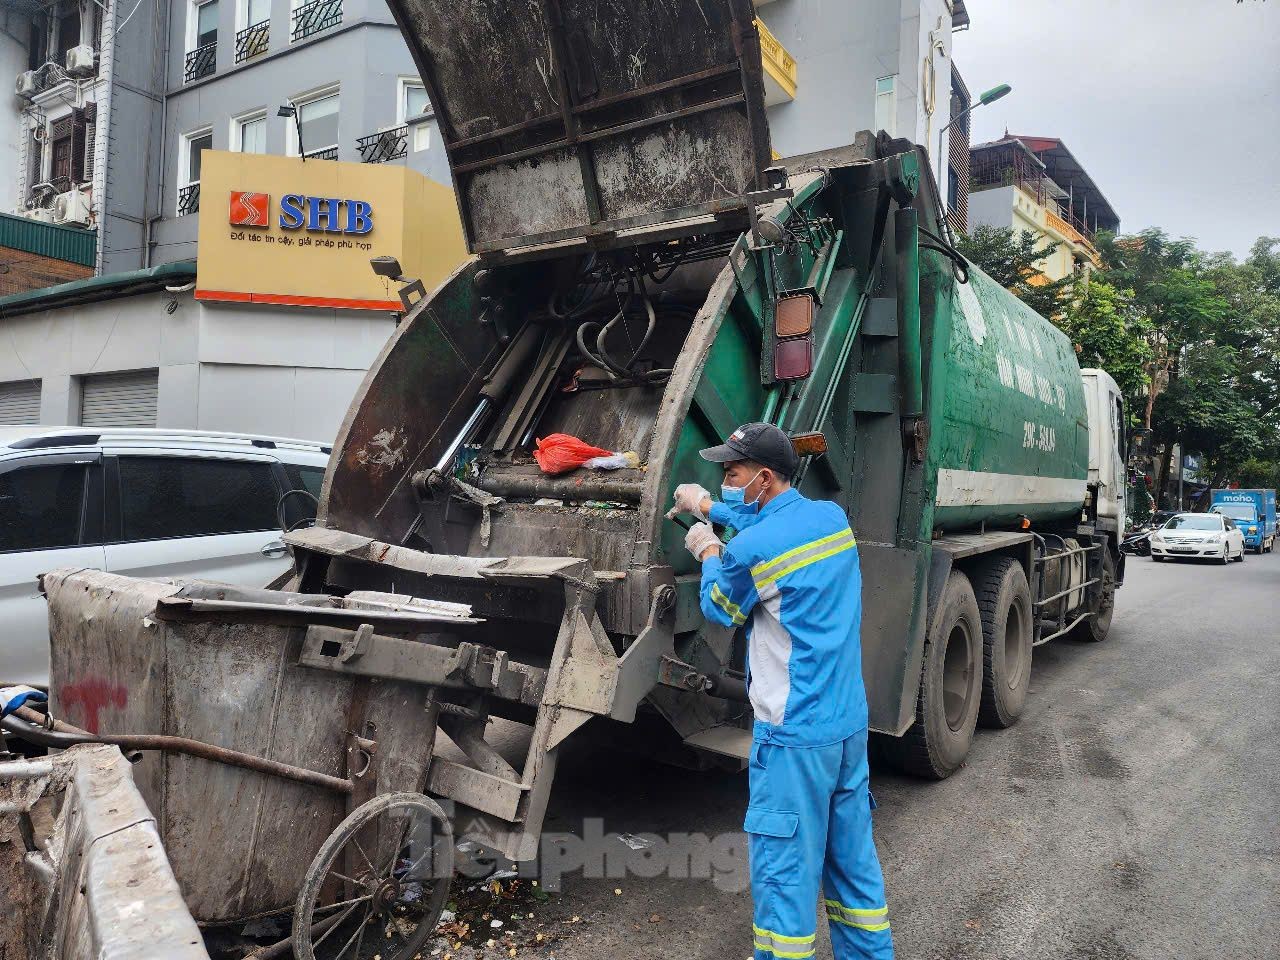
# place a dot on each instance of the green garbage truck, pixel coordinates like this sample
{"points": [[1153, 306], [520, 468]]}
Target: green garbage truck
{"points": [[646, 276]]}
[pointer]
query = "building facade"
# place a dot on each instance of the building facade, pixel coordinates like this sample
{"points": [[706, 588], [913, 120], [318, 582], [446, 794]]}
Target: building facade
{"points": [[341, 65], [169, 81], [956, 187], [129, 126], [1035, 185], [137, 349], [862, 65]]}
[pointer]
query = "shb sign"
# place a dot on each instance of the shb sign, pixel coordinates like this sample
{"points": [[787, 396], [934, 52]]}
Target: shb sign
{"points": [[300, 212], [250, 209]]}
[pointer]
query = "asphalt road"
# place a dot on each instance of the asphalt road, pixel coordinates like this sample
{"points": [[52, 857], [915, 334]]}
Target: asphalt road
{"points": [[1134, 812]]}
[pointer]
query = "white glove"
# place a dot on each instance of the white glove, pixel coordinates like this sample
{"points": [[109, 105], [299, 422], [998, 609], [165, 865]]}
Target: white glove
{"points": [[689, 497], [700, 540]]}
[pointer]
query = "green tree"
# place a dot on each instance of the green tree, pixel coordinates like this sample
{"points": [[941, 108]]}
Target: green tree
{"points": [[1256, 473], [1171, 288], [1109, 331], [1252, 290], [1205, 412], [1012, 259]]}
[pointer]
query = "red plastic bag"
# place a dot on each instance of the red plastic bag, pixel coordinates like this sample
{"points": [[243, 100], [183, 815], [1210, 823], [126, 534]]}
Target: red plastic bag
{"points": [[560, 453]]}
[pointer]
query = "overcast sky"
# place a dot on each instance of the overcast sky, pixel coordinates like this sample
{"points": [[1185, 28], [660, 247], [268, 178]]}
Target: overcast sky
{"points": [[1173, 106]]}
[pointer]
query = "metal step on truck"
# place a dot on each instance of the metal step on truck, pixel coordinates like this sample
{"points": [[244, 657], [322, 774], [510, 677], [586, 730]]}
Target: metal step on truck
{"points": [[645, 277]]}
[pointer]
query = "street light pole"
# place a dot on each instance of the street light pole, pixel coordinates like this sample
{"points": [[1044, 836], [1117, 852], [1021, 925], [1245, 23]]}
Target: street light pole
{"points": [[990, 96], [290, 110]]}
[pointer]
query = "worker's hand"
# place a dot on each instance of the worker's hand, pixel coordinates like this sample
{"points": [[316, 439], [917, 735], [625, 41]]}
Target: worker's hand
{"points": [[691, 498], [702, 541]]}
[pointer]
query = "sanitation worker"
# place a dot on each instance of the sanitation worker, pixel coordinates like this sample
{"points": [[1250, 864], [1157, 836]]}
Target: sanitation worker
{"points": [[790, 574]]}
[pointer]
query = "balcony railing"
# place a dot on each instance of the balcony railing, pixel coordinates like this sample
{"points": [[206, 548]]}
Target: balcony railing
{"points": [[384, 146], [310, 18], [779, 67], [1068, 229], [189, 199], [252, 40], [200, 62], [328, 153]]}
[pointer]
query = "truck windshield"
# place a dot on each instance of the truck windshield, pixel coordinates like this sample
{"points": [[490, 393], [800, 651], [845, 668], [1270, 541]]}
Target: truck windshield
{"points": [[1236, 511], [1194, 521]]}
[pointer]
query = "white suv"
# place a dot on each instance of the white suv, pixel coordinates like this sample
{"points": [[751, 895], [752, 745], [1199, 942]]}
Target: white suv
{"points": [[141, 502]]}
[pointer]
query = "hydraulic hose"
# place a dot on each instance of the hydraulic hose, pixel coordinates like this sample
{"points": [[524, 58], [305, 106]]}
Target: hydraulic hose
{"points": [[34, 733]]}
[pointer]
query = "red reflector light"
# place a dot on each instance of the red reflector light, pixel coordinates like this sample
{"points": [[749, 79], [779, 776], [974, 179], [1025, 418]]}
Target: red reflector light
{"points": [[793, 359]]}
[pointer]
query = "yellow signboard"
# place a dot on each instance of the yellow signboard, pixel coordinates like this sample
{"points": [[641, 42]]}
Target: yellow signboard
{"points": [[279, 230]]}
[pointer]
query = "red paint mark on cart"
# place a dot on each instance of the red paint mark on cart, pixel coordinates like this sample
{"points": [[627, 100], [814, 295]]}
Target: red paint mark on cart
{"points": [[90, 696]]}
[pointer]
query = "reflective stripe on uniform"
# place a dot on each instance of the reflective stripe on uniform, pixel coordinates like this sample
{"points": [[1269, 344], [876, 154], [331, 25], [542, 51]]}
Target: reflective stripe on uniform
{"points": [[789, 948], [767, 573], [874, 919], [731, 609]]}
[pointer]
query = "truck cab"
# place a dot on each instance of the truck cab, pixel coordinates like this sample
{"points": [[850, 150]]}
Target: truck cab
{"points": [[1253, 511], [1104, 405]]}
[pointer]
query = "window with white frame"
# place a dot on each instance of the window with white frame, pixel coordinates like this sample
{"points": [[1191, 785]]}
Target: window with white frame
{"points": [[318, 120], [413, 100], [192, 145], [249, 133], [202, 41], [203, 28], [252, 12], [886, 106]]}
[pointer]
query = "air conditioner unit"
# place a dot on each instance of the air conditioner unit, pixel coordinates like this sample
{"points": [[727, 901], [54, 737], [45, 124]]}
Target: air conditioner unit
{"points": [[43, 214], [71, 207], [80, 60], [26, 84]]}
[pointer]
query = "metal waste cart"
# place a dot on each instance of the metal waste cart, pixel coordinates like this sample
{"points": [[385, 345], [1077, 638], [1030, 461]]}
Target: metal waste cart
{"points": [[281, 730]]}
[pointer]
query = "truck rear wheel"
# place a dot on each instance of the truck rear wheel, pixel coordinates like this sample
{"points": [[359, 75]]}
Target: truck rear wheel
{"points": [[1096, 628], [950, 687], [1004, 601]]}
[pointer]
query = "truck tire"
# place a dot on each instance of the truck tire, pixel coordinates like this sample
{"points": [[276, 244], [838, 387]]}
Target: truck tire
{"points": [[1096, 628], [950, 687], [1004, 602]]}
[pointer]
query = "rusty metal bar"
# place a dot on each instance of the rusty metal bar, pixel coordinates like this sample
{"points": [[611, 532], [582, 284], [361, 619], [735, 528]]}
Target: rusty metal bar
{"points": [[1063, 593], [512, 157], [1067, 553], [662, 118], [554, 18], [1067, 629], [598, 134], [586, 488], [523, 125], [688, 80], [730, 205], [37, 734]]}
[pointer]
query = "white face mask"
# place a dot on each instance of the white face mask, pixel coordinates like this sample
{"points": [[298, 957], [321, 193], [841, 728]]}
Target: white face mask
{"points": [[732, 496]]}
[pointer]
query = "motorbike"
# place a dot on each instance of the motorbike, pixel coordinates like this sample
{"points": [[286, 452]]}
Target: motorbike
{"points": [[1137, 542]]}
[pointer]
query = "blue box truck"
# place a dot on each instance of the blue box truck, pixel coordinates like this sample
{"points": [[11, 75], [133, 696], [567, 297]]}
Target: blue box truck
{"points": [[1254, 512]]}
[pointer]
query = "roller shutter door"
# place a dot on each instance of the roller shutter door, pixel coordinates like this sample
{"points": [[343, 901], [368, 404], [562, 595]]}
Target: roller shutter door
{"points": [[20, 402], [119, 399]]}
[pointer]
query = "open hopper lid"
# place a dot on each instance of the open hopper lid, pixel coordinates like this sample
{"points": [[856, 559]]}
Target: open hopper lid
{"points": [[571, 119]]}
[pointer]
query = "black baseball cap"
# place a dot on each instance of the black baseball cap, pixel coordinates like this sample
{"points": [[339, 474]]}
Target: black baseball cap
{"points": [[761, 442]]}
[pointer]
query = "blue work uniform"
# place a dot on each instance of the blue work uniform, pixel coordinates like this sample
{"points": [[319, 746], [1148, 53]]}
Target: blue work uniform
{"points": [[791, 576]]}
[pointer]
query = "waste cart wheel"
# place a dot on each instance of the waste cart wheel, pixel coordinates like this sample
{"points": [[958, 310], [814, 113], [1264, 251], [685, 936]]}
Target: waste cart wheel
{"points": [[378, 884], [950, 687], [1004, 600]]}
